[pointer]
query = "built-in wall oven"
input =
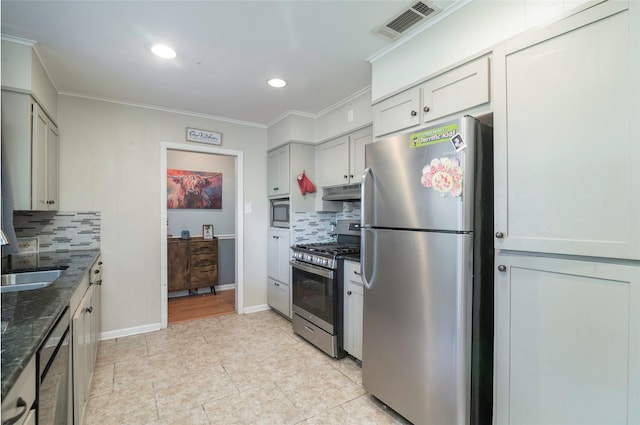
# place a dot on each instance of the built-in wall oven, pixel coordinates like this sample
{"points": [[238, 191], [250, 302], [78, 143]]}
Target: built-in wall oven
{"points": [[317, 288], [54, 394]]}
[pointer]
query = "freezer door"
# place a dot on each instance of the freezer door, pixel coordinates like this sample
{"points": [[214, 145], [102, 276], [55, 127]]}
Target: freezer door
{"points": [[419, 180], [417, 324]]}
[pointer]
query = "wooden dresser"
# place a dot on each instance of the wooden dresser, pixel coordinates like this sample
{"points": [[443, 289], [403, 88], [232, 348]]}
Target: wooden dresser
{"points": [[192, 263]]}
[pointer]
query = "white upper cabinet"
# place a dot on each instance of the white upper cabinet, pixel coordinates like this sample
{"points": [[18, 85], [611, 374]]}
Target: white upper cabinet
{"points": [[357, 142], [44, 163], [30, 146], [460, 89], [341, 161], [566, 136], [397, 113], [333, 162], [457, 90], [278, 172]]}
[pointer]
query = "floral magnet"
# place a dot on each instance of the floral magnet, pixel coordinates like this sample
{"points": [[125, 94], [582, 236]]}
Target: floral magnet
{"points": [[444, 175]]}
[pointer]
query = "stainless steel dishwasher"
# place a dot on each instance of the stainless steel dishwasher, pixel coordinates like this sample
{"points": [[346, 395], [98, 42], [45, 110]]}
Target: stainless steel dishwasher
{"points": [[54, 395]]}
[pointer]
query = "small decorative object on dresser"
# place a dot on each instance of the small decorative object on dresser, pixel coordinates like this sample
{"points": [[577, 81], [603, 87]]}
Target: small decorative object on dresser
{"points": [[207, 231]]}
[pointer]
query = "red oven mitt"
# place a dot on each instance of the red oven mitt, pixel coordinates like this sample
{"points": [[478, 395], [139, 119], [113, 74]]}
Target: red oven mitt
{"points": [[305, 184]]}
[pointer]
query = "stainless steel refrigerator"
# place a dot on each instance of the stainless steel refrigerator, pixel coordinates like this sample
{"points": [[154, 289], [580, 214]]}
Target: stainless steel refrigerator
{"points": [[427, 264]]}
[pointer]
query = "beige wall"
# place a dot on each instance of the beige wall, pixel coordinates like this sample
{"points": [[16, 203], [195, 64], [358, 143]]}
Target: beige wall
{"points": [[478, 26], [110, 162]]}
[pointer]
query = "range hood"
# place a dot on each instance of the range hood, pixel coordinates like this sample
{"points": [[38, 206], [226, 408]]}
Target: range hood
{"points": [[342, 193]]}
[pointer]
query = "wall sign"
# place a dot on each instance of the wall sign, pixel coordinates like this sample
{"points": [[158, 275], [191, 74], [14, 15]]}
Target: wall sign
{"points": [[204, 136]]}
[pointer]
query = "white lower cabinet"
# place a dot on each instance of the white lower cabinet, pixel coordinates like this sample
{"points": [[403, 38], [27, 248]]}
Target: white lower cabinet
{"points": [[85, 328], [278, 296], [353, 309], [17, 403], [567, 341], [278, 270]]}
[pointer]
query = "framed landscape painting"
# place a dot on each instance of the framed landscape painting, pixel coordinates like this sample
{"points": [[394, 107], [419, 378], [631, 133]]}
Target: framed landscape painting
{"points": [[194, 189]]}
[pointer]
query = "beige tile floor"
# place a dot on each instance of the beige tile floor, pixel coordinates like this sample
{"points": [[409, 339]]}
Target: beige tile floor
{"points": [[235, 369]]}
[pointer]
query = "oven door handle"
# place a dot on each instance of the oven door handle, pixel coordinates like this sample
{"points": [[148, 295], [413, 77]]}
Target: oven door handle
{"points": [[312, 269]]}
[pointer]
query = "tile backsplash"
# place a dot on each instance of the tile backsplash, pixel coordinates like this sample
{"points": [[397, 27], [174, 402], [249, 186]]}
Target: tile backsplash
{"points": [[310, 227], [59, 231]]}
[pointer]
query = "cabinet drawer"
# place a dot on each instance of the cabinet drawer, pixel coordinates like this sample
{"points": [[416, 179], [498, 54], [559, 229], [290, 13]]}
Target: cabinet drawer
{"points": [[278, 296], [202, 248], [200, 260], [204, 277]]}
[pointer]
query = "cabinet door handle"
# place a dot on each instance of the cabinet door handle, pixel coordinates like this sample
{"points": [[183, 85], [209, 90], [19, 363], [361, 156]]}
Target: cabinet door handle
{"points": [[90, 309], [426, 109], [276, 188], [276, 284], [309, 329], [349, 292], [357, 273], [346, 176], [499, 235], [351, 176], [21, 403], [414, 113], [502, 268]]}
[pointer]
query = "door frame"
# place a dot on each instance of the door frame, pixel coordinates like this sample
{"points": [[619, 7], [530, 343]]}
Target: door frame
{"points": [[239, 230]]}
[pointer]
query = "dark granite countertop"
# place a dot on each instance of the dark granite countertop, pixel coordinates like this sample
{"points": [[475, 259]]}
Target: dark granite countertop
{"points": [[352, 257], [28, 316]]}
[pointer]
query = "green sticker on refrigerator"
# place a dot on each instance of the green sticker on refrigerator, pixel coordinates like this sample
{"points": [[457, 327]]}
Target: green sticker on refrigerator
{"points": [[433, 136]]}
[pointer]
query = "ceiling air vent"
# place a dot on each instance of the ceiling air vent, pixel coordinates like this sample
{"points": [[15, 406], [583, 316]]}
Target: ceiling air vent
{"points": [[407, 18]]}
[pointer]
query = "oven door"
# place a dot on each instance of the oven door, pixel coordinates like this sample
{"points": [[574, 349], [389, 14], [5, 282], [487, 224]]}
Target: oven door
{"points": [[313, 294]]}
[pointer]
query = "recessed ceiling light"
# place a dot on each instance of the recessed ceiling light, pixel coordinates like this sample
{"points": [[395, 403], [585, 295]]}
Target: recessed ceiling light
{"points": [[163, 51], [277, 82]]}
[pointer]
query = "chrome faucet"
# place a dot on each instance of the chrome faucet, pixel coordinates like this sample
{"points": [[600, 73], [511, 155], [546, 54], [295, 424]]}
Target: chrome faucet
{"points": [[3, 238]]}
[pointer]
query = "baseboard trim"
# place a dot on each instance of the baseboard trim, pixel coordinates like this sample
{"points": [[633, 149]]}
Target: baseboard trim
{"points": [[205, 290], [256, 308], [129, 331]]}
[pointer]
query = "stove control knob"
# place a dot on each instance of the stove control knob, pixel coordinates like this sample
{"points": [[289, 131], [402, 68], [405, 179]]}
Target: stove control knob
{"points": [[325, 262]]}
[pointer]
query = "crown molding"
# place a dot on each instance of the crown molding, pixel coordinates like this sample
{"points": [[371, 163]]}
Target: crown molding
{"points": [[163, 109]]}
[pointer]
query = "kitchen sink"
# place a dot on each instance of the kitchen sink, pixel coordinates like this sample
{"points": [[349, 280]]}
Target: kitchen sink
{"points": [[26, 281]]}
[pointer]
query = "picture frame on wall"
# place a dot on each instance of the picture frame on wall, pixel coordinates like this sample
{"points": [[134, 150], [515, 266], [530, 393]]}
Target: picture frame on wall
{"points": [[207, 231]]}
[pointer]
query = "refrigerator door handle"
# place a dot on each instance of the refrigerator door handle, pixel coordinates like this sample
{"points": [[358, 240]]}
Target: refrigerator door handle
{"points": [[364, 263], [363, 197]]}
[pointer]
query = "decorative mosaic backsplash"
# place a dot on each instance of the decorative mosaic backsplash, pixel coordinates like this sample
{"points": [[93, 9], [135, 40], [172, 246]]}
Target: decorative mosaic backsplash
{"points": [[59, 231], [310, 227]]}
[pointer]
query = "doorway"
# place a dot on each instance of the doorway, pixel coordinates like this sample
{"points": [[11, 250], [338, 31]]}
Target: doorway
{"points": [[235, 234]]}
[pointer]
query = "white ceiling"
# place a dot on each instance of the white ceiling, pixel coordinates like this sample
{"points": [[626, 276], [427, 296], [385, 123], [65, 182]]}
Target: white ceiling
{"points": [[226, 51]]}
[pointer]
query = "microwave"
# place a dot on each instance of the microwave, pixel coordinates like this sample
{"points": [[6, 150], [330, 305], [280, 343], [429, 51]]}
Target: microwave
{"points": [[280, 213]]}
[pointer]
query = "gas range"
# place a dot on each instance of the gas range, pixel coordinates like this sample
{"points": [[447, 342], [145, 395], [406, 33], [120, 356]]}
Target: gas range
{"points": [[324, 254], [316, 276]]}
